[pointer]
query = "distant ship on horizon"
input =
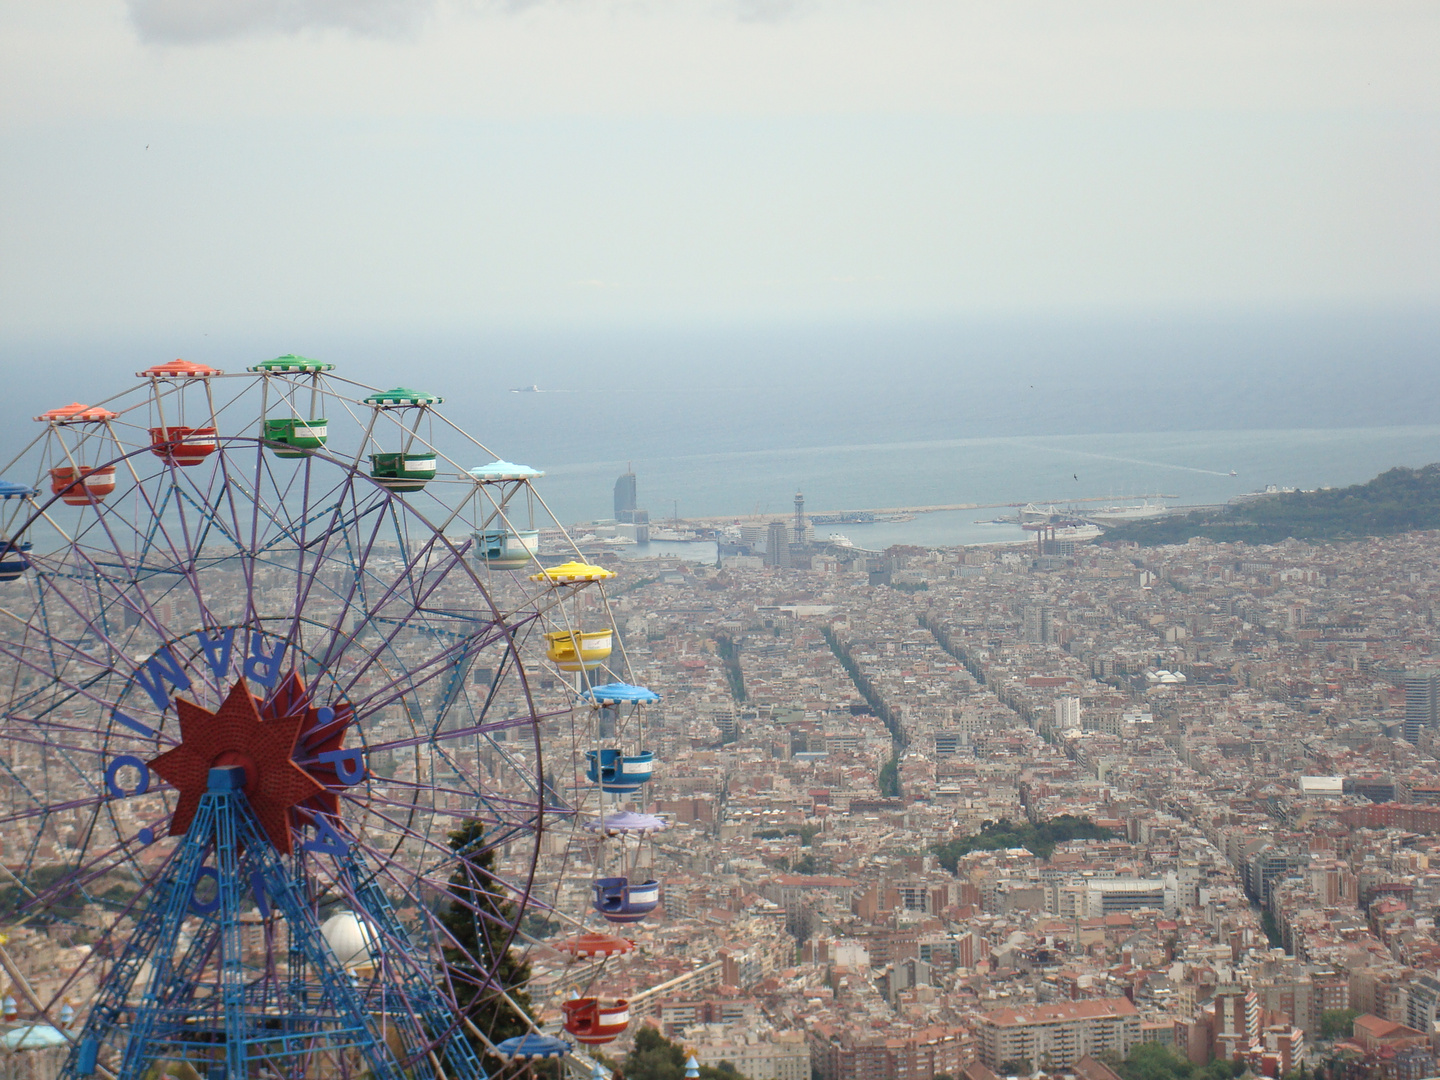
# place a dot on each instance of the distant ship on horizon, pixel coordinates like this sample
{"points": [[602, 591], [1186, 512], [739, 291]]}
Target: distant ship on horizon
{"points": [[531, 389]]}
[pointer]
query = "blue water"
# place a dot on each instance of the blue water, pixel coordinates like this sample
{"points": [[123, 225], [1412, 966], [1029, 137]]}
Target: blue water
{"points": [[734, 420], [1194, 466]]}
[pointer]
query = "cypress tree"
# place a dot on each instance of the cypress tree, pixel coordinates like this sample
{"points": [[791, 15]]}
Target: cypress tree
{"points": [[480, 962]]}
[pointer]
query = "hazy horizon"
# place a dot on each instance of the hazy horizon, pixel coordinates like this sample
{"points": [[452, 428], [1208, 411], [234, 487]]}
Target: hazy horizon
{"points": [[730, 226], [864, 413], [186, 167]]}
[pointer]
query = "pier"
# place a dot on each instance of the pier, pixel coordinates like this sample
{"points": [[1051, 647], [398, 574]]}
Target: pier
{"points": [[891, 510]]}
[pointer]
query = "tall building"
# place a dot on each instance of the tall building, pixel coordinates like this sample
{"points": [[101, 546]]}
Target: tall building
{"points": [[1067, 713], [1422, 701], [627, 513], [625, 497], [1037, 624], [802, 527], [1237, 1022], [777, 545]]}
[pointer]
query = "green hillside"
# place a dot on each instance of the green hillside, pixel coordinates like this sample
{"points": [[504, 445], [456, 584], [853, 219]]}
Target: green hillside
{"points": [[1397, 501]]}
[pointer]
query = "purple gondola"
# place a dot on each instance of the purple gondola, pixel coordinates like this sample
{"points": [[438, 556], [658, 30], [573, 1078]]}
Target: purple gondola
{"points": [[618, 901]]}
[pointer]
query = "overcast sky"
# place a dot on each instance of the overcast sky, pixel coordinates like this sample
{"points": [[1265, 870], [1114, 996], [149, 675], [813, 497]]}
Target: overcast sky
{"points": [[461, 163]]}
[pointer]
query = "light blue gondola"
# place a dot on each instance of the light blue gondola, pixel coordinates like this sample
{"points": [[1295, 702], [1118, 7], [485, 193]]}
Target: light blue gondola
{"points": [[497, 546], [498, 472], [618, 692]]}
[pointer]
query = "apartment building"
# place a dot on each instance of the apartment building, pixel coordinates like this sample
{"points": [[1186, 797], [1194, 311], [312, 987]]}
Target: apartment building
{"points": [[1058, 1035]]}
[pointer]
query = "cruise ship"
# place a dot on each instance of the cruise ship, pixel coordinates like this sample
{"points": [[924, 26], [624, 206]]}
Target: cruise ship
{"points": [[1118, 515]]}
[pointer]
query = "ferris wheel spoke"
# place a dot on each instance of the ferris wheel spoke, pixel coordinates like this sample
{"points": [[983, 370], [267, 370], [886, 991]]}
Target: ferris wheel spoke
{"points": [[75, 689], [21, 786], [445, 867], [99, 866], [229, 487], [443, 663], [536, 786], [106, 943], [185, 553], [292, 530], [208, 519], [497, 804], [13, 736], [358, 564], [63, 752], [266, 513], [377, 605], [442, 887], [33, 658], [420, 838], [139, 603], [73, 804], [48, 584]]}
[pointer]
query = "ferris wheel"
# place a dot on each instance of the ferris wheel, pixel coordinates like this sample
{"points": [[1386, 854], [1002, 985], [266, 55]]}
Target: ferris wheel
{"points": [[278, 760]]}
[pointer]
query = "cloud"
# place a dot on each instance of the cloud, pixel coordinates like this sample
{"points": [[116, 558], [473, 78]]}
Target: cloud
{"points": [[765, 10], [188, 22]]}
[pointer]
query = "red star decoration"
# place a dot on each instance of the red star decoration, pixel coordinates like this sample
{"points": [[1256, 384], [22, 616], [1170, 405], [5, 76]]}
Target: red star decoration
{"points": [[291, 699], [234, 734]]}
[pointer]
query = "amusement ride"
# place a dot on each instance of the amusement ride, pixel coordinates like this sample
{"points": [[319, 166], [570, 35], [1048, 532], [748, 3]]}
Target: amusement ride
{"points": [[293, 700]]}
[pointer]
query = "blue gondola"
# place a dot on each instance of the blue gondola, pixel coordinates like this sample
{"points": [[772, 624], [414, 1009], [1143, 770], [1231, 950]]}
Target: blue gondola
{"points": [[532, 1047], [619, 772], [13, 562]]}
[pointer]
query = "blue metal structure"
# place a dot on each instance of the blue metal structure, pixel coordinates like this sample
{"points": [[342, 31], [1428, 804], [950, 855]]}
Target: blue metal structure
{"points": [[201, 1002]]}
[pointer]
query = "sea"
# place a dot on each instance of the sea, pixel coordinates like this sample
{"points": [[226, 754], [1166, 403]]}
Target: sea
{"points": [[732, 420]]}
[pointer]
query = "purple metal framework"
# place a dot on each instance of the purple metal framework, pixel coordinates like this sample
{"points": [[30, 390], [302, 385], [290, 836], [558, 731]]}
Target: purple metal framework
{"points": [[241, 566]]}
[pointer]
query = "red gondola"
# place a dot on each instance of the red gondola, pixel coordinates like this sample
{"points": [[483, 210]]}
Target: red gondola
{"points": [[591, 944], [82, 486], [178, 369], [594, 1021], [183, 445]]}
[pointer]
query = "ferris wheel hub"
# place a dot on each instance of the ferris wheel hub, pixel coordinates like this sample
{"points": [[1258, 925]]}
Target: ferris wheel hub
{"points": [[226, 778], [212, 741]]}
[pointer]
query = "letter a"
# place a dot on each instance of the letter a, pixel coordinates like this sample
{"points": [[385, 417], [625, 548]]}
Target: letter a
{"points": [[217, 650]]}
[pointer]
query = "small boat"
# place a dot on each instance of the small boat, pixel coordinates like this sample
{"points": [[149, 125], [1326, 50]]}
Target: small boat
{"points": [[1234, 473], [531, 389]]}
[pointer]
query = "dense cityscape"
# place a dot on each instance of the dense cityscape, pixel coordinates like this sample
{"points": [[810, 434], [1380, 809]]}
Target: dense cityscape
{"points": [[1004, 810], [1251, 729]]}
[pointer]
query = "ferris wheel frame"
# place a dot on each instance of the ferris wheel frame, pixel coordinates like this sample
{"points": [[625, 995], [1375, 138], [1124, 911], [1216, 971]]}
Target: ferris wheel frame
{"points": [[161, 667]]}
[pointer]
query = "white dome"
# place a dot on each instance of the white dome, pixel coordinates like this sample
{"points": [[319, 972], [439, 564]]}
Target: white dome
{"points": [[349, 939]]}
